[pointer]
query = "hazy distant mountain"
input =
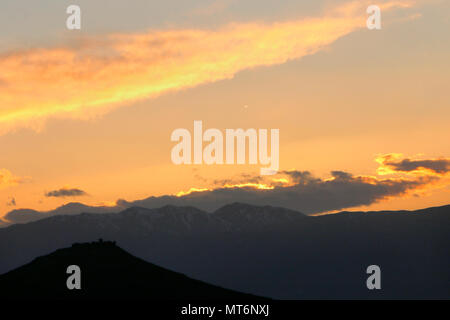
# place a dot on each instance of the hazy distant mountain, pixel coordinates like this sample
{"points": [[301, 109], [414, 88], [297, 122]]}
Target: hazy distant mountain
{"points": [[30, 215], [107, 271], [266, 251]]}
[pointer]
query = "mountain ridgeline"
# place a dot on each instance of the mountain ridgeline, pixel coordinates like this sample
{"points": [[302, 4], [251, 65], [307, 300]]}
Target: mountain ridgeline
{"points": [[263, 250]]}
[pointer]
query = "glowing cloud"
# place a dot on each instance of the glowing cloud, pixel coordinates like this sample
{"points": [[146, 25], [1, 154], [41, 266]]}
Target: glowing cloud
{"points": [[96, 74], [393, 163], [7, 179]]}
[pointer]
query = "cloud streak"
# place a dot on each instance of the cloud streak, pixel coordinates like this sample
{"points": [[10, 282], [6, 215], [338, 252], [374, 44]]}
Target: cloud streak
{"points": [[96, 74]]}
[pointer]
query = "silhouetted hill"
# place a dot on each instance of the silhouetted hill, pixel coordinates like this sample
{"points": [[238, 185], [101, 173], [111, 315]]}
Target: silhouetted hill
{"points": [[107, 271], [263, 250]]}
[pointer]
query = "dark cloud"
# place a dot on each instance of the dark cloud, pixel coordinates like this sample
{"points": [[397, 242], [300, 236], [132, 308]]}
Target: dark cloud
{"points": [[440, 166], [308, 194], [240, 179], [297, 190], [65, 192], [301, 177]]}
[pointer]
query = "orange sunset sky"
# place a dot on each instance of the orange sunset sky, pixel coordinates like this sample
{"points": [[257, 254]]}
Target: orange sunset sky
{"points": [[93, 109]]}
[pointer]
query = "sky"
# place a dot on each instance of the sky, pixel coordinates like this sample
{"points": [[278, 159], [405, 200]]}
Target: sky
{"points": [[87, 115]]}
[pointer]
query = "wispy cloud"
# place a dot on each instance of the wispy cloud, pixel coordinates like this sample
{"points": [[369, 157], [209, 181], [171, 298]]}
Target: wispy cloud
{"points": [[96, 74], [7, 179]]}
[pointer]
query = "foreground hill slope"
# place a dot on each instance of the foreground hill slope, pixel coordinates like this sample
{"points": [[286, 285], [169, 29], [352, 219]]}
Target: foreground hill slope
{"points": [[107, 271]]}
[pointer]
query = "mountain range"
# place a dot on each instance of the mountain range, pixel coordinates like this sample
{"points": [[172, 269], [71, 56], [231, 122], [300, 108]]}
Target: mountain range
{"points": [[263, 250]]}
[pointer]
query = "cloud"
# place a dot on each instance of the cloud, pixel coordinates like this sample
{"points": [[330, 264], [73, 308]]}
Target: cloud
{"points": [[66, 192], [7, 179], [395, 163], [303, 192], [292, 189], [97, 73]]}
